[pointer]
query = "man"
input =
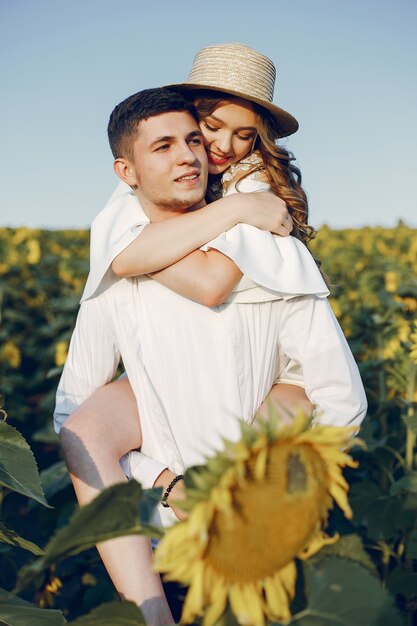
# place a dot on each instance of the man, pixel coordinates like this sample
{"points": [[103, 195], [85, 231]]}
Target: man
{"points": [[168, 342]]}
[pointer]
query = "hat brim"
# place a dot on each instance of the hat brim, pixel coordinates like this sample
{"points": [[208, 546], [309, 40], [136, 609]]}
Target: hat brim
{"points": [[286, 123]]}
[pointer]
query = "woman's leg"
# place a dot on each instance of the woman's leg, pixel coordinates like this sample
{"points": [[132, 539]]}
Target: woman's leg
{"points": [[94, 438], [287, 399]]}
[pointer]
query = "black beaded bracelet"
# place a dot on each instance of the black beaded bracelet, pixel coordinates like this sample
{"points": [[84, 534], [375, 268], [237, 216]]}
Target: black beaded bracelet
{"points": [[169, 489]]}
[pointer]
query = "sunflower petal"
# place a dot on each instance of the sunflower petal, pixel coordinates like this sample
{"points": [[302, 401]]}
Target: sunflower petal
{"points": [[277, 600], [194, 600], [260, 464], [288, 576], [246, 604], [217, 601], [316, 544]]}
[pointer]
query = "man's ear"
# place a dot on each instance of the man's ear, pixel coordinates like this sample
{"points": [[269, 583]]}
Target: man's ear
{"points": [[125, 171]]}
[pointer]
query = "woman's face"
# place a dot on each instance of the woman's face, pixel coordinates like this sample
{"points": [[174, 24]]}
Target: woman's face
{"points": [[229, 134]]}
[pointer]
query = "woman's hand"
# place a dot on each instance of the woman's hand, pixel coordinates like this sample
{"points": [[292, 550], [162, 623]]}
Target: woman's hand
{"points": [[266, 211]]}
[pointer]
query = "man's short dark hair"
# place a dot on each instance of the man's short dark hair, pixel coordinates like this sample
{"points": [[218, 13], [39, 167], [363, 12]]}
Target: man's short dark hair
{"points": [[126, 116]]}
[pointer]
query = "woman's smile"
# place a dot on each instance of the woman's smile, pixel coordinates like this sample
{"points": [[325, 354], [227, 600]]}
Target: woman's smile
{"points": [[217, 159]]}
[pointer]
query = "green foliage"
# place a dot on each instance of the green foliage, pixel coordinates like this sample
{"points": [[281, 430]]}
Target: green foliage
{"points": [[407, 483], [114, 513], [402, 582], [16, 612], [114, 613], [55, 478], [18, 470], [350, 547], [7, 535], [342, 593]]}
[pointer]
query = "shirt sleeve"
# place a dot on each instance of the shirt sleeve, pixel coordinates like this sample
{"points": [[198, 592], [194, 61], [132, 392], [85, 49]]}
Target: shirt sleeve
{"points": [[142, 468], [292, 374], [310, 335], [92, 360]]}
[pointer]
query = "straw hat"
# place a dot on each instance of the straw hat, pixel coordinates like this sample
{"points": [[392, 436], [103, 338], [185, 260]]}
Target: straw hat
{"points": [[240, 71]]}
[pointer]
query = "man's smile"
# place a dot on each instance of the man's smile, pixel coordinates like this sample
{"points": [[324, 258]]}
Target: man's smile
{"points": [[189, 178]]}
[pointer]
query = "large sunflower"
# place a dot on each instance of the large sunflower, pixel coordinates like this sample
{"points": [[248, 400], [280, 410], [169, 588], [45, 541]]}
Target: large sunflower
{"points": [[254, 508]]}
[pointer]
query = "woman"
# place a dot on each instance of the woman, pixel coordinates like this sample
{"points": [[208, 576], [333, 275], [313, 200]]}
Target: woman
{"points": [[239, 136]]}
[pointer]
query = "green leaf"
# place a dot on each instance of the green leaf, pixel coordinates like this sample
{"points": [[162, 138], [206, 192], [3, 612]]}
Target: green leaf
{"points": [[342, 593], [411, 552], [55, 479], [402, 582], [46, 434], [114, 613], [350, 547], [148, 502], [113, 513], [6, 597], [18, 470], [406, 483], [54, 372], [368, 435], [381, 514], [16, 612], [7, 535]]}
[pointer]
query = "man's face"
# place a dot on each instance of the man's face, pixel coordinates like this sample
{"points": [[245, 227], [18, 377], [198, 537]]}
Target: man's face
{"points": [[170, 164]]}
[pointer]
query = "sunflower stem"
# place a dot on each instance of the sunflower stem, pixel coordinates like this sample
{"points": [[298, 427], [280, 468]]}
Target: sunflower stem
{"points": [[381, 385], [410, 441]]}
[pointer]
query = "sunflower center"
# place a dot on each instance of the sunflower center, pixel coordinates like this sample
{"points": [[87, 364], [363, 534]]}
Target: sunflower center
{"points": [[296, 474], [271, 520]]}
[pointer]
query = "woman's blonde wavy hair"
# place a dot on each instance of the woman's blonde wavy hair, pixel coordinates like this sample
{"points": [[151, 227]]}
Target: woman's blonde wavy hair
{"points": [[283, 176]]}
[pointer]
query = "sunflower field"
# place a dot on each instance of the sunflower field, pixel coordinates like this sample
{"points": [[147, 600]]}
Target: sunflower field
{"points": [[358, 567]]}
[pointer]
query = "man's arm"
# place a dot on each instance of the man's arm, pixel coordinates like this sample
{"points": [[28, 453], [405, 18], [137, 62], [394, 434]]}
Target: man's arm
{"points": [[206, 277], [310, 334], [92, 361], [162, 243]]}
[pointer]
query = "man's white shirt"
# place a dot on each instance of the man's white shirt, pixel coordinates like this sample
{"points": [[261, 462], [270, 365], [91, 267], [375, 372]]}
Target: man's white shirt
{"points": [[197, 371]]}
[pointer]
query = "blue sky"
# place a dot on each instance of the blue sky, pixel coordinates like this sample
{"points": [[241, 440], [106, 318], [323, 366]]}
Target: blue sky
{"points": [[345, 69]]}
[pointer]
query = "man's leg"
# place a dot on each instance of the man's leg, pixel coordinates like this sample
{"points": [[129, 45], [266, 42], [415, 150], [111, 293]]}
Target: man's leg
{"points": [[94, 438]]}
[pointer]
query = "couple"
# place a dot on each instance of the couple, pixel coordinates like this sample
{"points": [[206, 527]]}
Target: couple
{"points": [[204, 330]]}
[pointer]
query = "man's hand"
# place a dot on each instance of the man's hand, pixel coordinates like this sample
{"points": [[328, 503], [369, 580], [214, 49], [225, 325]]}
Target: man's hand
{"points": [[177, 493], [266, 211]]}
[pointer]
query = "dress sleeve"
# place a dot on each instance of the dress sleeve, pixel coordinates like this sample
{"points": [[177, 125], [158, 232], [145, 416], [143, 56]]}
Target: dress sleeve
{"points": [[92, 361], [114, 228], [282, 265], [310, 335]]}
